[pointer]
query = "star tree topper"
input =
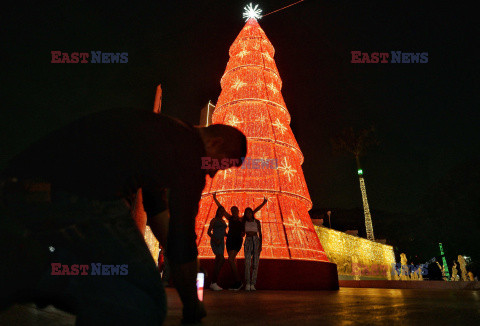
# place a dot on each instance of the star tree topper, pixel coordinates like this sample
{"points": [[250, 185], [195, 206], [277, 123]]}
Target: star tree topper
{"points": [[251, 12]]}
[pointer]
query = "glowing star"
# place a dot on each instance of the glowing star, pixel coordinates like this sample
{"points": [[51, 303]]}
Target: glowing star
{"points": [[242, 53], [251, 12], [268, 246], [237, 84], [265, 160], [243, 45], [280, 126], [265, 163], [287, 169], [262, 119], [272, 87], [233, 121], [298, 227], [267, 56]]}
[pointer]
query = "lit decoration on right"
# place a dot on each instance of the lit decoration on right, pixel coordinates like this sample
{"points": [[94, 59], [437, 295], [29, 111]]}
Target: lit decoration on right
{"points": [[251, 100], [445, 266], [366, 208], [357, 257], [356, 142]]}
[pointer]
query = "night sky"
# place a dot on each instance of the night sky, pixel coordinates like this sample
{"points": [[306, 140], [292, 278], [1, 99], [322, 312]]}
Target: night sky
{"points": [[425, 115]]}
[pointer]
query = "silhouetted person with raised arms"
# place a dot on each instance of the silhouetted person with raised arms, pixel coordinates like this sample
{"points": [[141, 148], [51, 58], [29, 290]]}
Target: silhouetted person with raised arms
{"points": [[64, 200]]}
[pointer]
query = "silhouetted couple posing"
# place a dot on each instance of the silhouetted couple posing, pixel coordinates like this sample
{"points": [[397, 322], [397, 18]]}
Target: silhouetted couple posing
{"points": [[238, 227]]}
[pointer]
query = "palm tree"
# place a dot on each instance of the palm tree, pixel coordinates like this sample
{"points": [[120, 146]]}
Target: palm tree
{"points": [[356, 143]]}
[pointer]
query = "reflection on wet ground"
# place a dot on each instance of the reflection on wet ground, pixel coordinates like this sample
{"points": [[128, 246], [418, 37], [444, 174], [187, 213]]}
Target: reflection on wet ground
{"points": [[348, 306]]}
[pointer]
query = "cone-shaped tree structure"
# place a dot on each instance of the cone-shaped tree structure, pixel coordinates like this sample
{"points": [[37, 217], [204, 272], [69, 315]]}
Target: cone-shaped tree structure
{"points": [[251, 100]]}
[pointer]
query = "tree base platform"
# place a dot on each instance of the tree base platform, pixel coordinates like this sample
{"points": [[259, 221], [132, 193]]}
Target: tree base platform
{"points": [[279, 274]]}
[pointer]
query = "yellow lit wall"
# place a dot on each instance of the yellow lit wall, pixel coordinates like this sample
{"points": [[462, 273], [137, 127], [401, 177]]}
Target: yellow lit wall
{"points": [[356, 258]]}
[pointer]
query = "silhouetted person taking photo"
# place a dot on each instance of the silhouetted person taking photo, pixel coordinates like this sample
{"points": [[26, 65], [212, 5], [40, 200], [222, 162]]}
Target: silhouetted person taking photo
{"points": [[66, 234]]}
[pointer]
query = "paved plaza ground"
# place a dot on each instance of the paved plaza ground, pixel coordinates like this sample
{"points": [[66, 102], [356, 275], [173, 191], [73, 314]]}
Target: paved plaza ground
{"points": [[348, 306]]}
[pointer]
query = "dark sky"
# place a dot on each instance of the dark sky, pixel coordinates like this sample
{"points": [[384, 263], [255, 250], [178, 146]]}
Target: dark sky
{"points": [[426, 115]]}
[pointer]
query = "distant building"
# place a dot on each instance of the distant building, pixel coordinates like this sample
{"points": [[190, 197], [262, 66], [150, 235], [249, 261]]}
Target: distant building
{"points": [[206, 114], [317, 221], [352, 232]]}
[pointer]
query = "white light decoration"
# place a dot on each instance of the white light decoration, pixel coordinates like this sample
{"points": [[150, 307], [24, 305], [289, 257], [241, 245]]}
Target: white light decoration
{"points": [[298, 228], [225, 173], [272, 87], [251, 12], [234, 122], [238, 84], [209, 116], [267, 56], [287, 169], [280, 126], [262, 119], [242, 53]]}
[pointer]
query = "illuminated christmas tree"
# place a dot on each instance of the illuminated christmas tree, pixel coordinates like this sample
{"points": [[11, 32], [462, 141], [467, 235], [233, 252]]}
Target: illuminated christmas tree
{"points": [[251, 100]]}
